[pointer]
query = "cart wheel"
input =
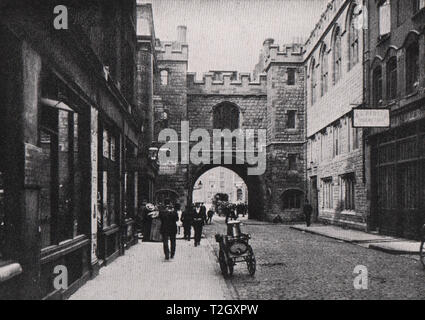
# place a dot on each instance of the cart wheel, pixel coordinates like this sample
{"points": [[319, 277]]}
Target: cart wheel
{"points": [[251, 262], [230, 268], [223, 264], [422, 253]]}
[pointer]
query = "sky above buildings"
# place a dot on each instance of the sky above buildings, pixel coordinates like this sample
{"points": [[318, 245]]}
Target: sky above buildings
{"points": [[228, 34]]}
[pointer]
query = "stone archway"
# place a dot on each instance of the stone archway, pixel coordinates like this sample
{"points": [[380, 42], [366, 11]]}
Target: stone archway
{"points": [[166, 196], [255, 185]]}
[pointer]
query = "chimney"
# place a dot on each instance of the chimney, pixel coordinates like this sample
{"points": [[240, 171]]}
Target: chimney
{"points": [[181, 34], [266, 46]]}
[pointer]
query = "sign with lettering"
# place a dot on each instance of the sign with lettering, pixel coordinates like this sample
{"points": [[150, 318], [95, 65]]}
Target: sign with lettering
{"points": [[371, 118], [168, 168]]}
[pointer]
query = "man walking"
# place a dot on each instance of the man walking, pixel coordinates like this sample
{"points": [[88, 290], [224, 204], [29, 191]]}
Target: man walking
{"points": [[244, 209], [308, 209], [169, 218], [203, 211], [187, 220], [199, 219], [210, 215]]}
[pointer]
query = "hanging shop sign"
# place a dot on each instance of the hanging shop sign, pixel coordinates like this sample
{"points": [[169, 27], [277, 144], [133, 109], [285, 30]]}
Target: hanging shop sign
{"points": [[371, 118]]}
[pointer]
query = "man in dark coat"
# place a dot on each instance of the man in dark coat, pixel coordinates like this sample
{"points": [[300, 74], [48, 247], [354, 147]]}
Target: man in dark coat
{"points": [[210, 215], [227, 212], [307, 209], [203, 210], [244, 209], [169, 218], [187, 220], [199, 218]]}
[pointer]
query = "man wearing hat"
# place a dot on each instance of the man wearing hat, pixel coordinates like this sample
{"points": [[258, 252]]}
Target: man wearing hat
{"points": [[169, 218], [199, 218]]}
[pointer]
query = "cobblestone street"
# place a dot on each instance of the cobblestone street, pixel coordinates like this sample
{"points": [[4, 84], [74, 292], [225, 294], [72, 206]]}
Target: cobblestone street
{"points": [[296, 265]]}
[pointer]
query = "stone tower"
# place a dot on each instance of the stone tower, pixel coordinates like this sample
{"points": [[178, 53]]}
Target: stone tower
{"points": [[170, 107], [285, 173]]}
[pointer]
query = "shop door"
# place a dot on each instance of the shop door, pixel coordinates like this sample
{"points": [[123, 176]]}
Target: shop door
{"points": [[399, 174], [314, 200]]}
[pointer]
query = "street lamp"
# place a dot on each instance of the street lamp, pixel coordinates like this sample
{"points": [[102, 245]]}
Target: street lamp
{"points": [[153, 153]]}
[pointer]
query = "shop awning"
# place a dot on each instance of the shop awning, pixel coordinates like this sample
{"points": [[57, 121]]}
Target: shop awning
{"points": [[56, 104]]}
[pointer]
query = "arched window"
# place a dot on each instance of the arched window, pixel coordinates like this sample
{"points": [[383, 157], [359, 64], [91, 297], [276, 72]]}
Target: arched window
{"points": [[239, 195], [226, 116], [392, 78], [167, 197], [164, 77], [353, 38], [377, 85], [313, 81], [324, 71], [412, 67], [292, 199], [337, 57]]}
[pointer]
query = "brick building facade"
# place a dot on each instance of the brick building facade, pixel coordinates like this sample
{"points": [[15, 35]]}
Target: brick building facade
{"points": [[395, 77], [334, 87], [72, 159]]}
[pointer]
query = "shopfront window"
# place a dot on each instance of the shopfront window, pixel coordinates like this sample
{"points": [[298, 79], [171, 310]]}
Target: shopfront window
{"points": [[130, 181], [108, 178], [60, 200]]}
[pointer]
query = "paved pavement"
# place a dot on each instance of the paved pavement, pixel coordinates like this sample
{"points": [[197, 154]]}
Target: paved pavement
{"points": [[296, 265], [143, 274], [369, 240]]}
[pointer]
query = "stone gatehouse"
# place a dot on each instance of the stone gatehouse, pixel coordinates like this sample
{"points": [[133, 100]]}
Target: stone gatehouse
{"points": [[271, 98]]}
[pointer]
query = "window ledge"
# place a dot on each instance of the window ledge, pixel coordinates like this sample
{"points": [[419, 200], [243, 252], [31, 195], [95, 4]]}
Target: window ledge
{"points": [[391, 103], [383, 38], [418, 14], [328, 210], [9, 270], [348, 212], [411, 94]]}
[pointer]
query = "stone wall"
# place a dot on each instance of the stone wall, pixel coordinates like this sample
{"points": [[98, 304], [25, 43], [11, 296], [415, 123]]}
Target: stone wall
{"points": [[282, 140]]}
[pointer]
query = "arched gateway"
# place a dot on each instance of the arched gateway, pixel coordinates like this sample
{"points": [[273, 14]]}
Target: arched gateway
{"points": [[255, 185], [232, 100]]}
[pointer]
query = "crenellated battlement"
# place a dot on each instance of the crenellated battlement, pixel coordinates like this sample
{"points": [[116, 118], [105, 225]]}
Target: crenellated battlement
{"points": [[226, 82], [325, 20], [287, 53], [172, 50]]}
